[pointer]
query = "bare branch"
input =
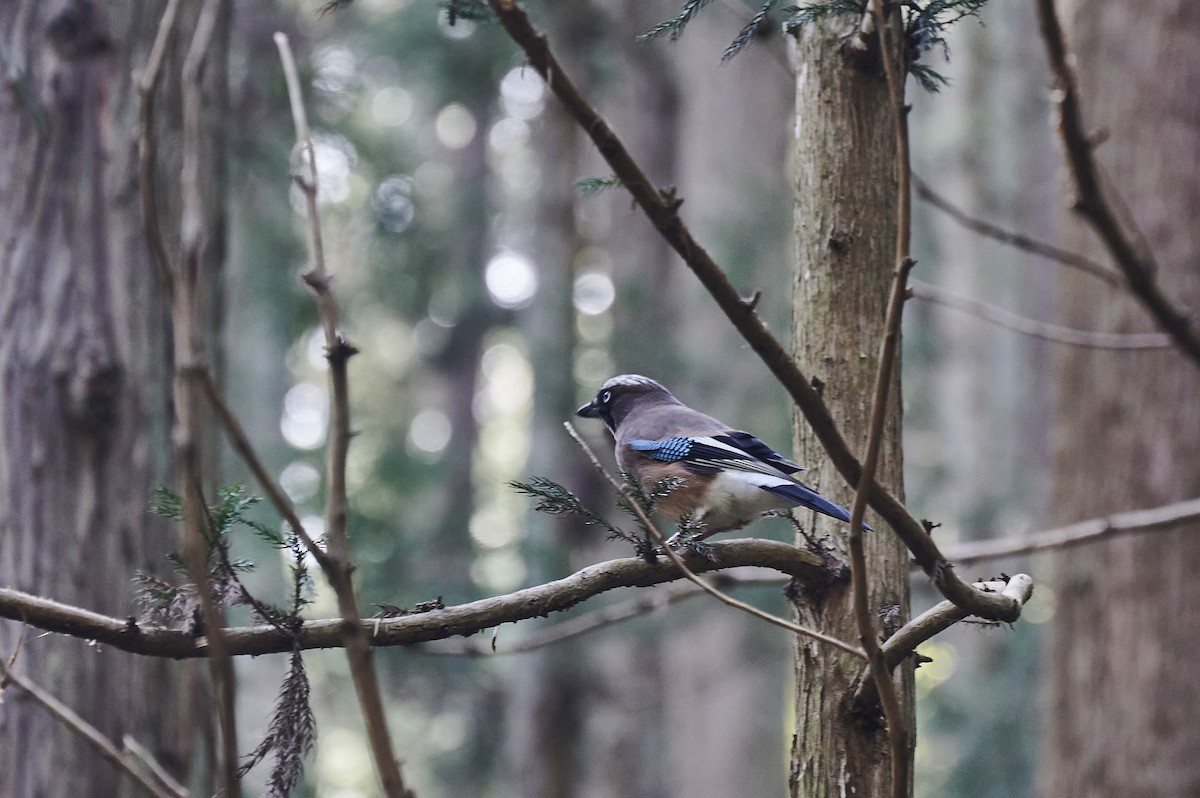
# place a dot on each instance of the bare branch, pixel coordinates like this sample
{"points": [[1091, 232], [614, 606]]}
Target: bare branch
{"points": [[242, 445], [464, 619], [944, 615], [1154, 519], [890, 46], [338, 566], [187, 352], [147, 82], [663, 214], [1039, 329], [1016, 240], [934, 621], [688, 574], [1092, 201], [69, 718], [589, 622], [135, 749]]}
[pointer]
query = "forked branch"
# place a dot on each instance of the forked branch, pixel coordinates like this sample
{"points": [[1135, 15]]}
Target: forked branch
{"points": [[662, 211], [1092, 201]]}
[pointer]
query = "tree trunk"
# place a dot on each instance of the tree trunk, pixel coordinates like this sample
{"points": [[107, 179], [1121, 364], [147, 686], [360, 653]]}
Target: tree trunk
{"points": [[86, 381], [845, 227], [1122, 696]]}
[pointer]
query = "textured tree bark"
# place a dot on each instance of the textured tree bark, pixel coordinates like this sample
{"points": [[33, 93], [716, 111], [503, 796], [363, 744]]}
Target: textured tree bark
{"points": [[845, 228], [1122, 694], [84, 384]]}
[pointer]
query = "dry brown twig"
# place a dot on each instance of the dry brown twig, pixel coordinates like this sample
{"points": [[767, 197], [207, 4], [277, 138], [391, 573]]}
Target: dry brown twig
{"points": [[1123, 242], [1015, 240], [188, 358], [339, 567], [135, 749], [662, 211], [1154, 519], [688, 574], [147, 82], [890, 47], [1038, 329], [73, 721]]}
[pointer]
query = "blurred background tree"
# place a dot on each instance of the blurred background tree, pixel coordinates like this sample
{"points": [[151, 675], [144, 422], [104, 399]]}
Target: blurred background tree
{"points": [[86, 388], [489, 296]]}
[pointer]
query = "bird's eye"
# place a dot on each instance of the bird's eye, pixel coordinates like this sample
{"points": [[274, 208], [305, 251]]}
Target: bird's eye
{"points": [[606, 397]]}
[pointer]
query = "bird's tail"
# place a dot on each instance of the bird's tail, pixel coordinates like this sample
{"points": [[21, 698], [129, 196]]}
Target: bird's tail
{"points": [[807, 497]]}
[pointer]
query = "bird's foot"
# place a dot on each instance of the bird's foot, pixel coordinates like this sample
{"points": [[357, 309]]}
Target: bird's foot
{"points": [[689, 540]]}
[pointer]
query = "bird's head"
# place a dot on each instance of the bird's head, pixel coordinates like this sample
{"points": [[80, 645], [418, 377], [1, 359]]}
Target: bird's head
{"points": [[620, 394]]}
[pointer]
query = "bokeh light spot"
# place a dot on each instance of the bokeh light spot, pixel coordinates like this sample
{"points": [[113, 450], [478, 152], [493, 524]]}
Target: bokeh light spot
{"points": [[594, 293], [430, 431], [511, 280], [455, 126]]}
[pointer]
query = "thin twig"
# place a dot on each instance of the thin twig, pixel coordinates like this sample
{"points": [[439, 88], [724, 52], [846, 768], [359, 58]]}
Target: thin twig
{"points": [[1016, 240], [662, 213], [242, 445], [338, 352], [1039, 329], [678, 562], [187, 350], [587, 622], [69, 718], [897, 725], [1154, 519], [135, 749], [465, 619], [1091, 200], [147, 82]]}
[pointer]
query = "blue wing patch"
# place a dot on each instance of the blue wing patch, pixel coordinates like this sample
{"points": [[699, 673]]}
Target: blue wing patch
{"points": [[668, 450]]}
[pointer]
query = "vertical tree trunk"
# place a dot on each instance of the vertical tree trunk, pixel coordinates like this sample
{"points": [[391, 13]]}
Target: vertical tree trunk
{"points": [[1123, 694], [84, 384], [845, 226]]}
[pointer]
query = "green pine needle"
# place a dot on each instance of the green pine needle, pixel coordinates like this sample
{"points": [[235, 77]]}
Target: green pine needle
{"points": [[587, 186], [674, 27]]}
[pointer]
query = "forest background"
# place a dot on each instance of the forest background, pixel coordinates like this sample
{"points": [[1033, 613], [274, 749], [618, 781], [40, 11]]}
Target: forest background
{"points": [[490, 283]]}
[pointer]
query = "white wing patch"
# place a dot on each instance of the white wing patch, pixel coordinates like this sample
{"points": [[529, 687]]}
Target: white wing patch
{"points": [[740, 462]]}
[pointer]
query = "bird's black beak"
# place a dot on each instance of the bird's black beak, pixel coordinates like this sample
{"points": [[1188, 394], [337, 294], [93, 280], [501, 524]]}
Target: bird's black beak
{"points": [[590, 410]]}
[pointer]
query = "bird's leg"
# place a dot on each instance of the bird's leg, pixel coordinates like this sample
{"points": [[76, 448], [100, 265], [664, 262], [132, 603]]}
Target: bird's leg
{"points": [[691, 531]]}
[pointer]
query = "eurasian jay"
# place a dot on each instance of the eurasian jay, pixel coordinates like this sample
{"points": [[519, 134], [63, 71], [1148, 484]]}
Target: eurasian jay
{"points": [[729, 477]]}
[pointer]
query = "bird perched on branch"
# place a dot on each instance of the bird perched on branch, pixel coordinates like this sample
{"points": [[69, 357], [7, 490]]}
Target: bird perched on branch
{"points": [[727, 477]]}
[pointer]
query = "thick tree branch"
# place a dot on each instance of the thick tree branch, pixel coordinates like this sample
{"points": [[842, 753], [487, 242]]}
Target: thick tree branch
{"points": [[662, 211], [933, 622], [942, 616], [590, 621], [464, 619], [1093, 203], [1016, 240], [1154, 519], [338, 566], [1039, 329]]}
